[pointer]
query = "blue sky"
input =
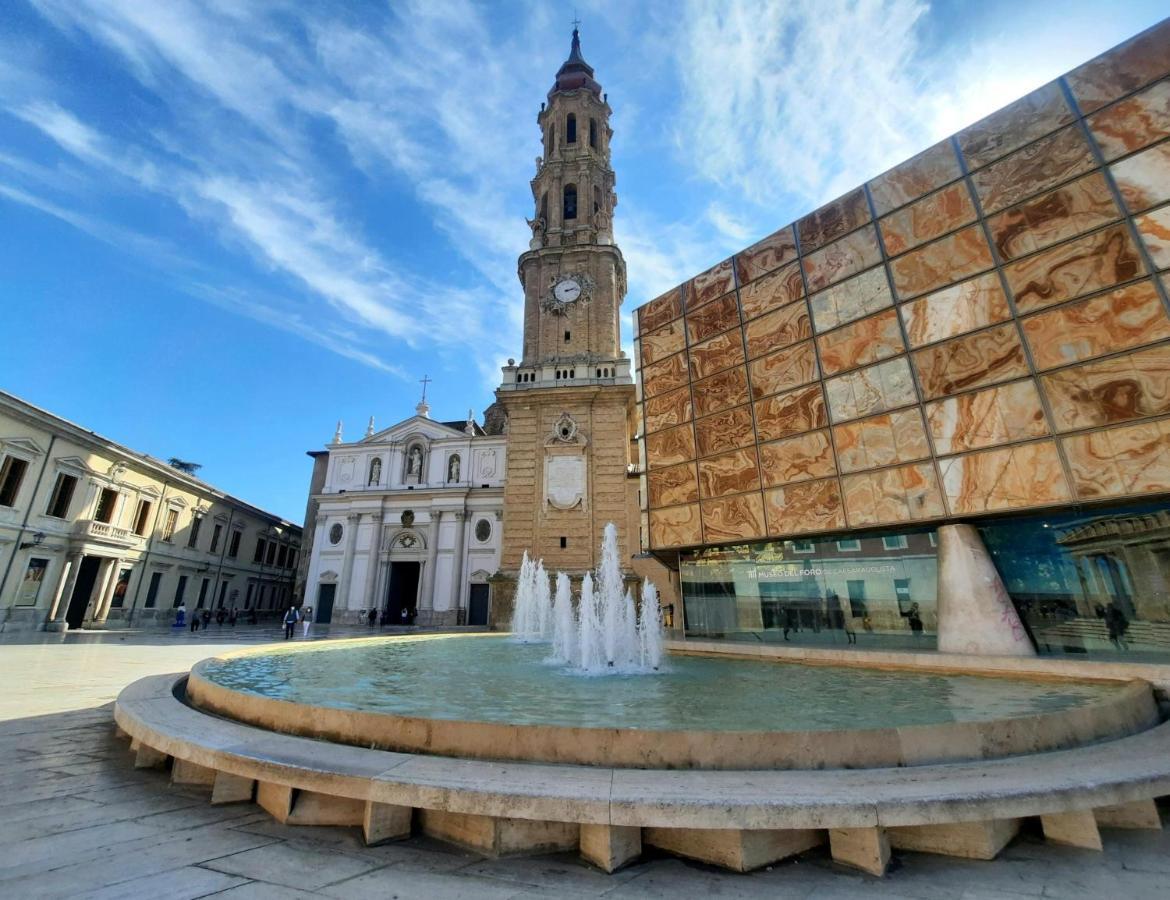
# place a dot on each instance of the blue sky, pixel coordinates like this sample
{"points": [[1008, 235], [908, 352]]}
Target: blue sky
{"points": [[224, 225]]}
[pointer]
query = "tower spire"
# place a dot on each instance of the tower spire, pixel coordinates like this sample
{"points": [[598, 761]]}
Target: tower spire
{"points": [[574, 72]]}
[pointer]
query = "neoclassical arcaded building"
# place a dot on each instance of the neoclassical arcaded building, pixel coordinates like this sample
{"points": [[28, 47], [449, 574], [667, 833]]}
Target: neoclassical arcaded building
{"points": [[94, 534]]}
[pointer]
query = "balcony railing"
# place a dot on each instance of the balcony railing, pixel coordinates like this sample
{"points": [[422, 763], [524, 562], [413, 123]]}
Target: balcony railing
{"points": [[103, 531]]}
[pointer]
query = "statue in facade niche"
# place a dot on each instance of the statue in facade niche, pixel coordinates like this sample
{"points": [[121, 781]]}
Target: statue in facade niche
{"points": [[376, 471], [453, 469], [537, 225], [414, 461]]}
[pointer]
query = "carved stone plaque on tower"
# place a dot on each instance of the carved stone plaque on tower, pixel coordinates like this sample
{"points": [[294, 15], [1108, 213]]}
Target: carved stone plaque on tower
{"points": [[564, 480]]}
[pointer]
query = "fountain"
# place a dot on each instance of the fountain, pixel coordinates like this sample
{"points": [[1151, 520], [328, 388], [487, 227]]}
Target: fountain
{"points": [[607, 634], [599, 763]]}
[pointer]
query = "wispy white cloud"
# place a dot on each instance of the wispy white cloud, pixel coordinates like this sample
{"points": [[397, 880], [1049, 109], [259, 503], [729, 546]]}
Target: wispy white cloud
{"points": [[274, 199], [106, 232], [799, 98], [276, 314], [758, 109]]}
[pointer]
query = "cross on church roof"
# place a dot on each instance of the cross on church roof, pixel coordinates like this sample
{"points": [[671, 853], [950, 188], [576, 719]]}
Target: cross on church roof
{"points": [[576, 20], [424, 381]]}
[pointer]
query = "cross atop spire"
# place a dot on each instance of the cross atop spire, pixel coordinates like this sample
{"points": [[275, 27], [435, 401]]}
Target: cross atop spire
{"points": [[423, 409]]}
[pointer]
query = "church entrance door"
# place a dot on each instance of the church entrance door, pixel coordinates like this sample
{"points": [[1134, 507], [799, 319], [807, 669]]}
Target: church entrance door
{"points": [[324, 611], [83, 590], [403, 591], [477, 607]]}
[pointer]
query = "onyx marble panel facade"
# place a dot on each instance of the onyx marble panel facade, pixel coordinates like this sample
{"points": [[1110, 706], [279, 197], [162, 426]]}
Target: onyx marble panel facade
{"points": [[984, 327], [1133, 123], [1144, 179]]}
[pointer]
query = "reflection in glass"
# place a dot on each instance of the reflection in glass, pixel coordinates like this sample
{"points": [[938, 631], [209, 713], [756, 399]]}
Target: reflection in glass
{"points": [[868, 591], [1090, 582]]}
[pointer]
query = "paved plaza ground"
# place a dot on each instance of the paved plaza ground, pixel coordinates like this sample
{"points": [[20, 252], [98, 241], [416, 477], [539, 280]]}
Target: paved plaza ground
{"points": [[77, 820]]}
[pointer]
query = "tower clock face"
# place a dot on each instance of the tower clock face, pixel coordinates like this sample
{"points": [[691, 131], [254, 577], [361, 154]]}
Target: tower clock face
{"points": [[567, 291]]}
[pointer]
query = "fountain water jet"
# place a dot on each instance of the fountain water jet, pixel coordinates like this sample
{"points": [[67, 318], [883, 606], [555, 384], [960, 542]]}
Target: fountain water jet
{"points": [[607, 635], [564, 622]]}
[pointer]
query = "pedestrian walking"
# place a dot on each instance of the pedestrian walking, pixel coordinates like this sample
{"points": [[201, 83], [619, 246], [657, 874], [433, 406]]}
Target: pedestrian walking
{"points": [[232, 616], [290, 622], [306, 620]]}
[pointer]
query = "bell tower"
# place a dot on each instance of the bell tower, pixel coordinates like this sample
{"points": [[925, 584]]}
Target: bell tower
{"points": [[570, 399], [574, 276]]}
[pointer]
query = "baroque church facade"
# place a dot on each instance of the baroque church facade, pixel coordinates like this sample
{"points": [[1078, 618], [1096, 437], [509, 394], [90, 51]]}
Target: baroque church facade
{"points": [[556, 459], [406, 521]]}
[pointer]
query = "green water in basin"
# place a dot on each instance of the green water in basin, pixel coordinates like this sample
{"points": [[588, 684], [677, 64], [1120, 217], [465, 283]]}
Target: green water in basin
{"points": [[493, 679]]}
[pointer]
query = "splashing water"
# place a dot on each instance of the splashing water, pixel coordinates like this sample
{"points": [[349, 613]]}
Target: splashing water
{"points": [[564, 621], [607, 634], [526, 615]]}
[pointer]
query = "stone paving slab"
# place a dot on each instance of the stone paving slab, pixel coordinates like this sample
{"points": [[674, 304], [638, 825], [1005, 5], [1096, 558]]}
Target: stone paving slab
{"points": [[181, 861]]}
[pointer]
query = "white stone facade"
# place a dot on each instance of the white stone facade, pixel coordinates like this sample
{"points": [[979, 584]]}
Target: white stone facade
{"points": [[94, 534], [409, 518]]}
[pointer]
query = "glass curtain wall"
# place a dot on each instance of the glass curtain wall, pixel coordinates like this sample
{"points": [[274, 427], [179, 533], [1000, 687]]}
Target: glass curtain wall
{"points": [[1092, 582], [870, 592]]}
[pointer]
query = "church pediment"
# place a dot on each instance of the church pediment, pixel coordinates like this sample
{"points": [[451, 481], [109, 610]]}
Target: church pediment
{"points": [[414, 427]]}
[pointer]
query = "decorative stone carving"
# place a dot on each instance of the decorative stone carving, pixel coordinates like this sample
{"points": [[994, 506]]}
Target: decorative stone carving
{"points": [[538, 226], [549, 302], [487, 464], [345, 469], [565, 429], [564, 480], [407, 518]]}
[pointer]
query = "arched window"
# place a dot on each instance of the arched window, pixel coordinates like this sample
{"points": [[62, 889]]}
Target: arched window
{"points": [[552, 138], [375, 472], [571, 129], [596, 199], [593, 133], [570, 201], [544, 207]]}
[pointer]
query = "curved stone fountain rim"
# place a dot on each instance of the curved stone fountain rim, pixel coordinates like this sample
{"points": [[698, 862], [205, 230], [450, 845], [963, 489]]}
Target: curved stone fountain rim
{"points": [[1130, 710]]}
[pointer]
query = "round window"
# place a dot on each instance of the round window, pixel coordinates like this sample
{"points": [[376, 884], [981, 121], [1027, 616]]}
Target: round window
{"points": [[483, 530], [335, 533]]}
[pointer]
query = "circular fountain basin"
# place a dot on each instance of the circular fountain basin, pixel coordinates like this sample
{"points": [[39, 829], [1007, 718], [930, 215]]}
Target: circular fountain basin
{"points": [[487, 697]]}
